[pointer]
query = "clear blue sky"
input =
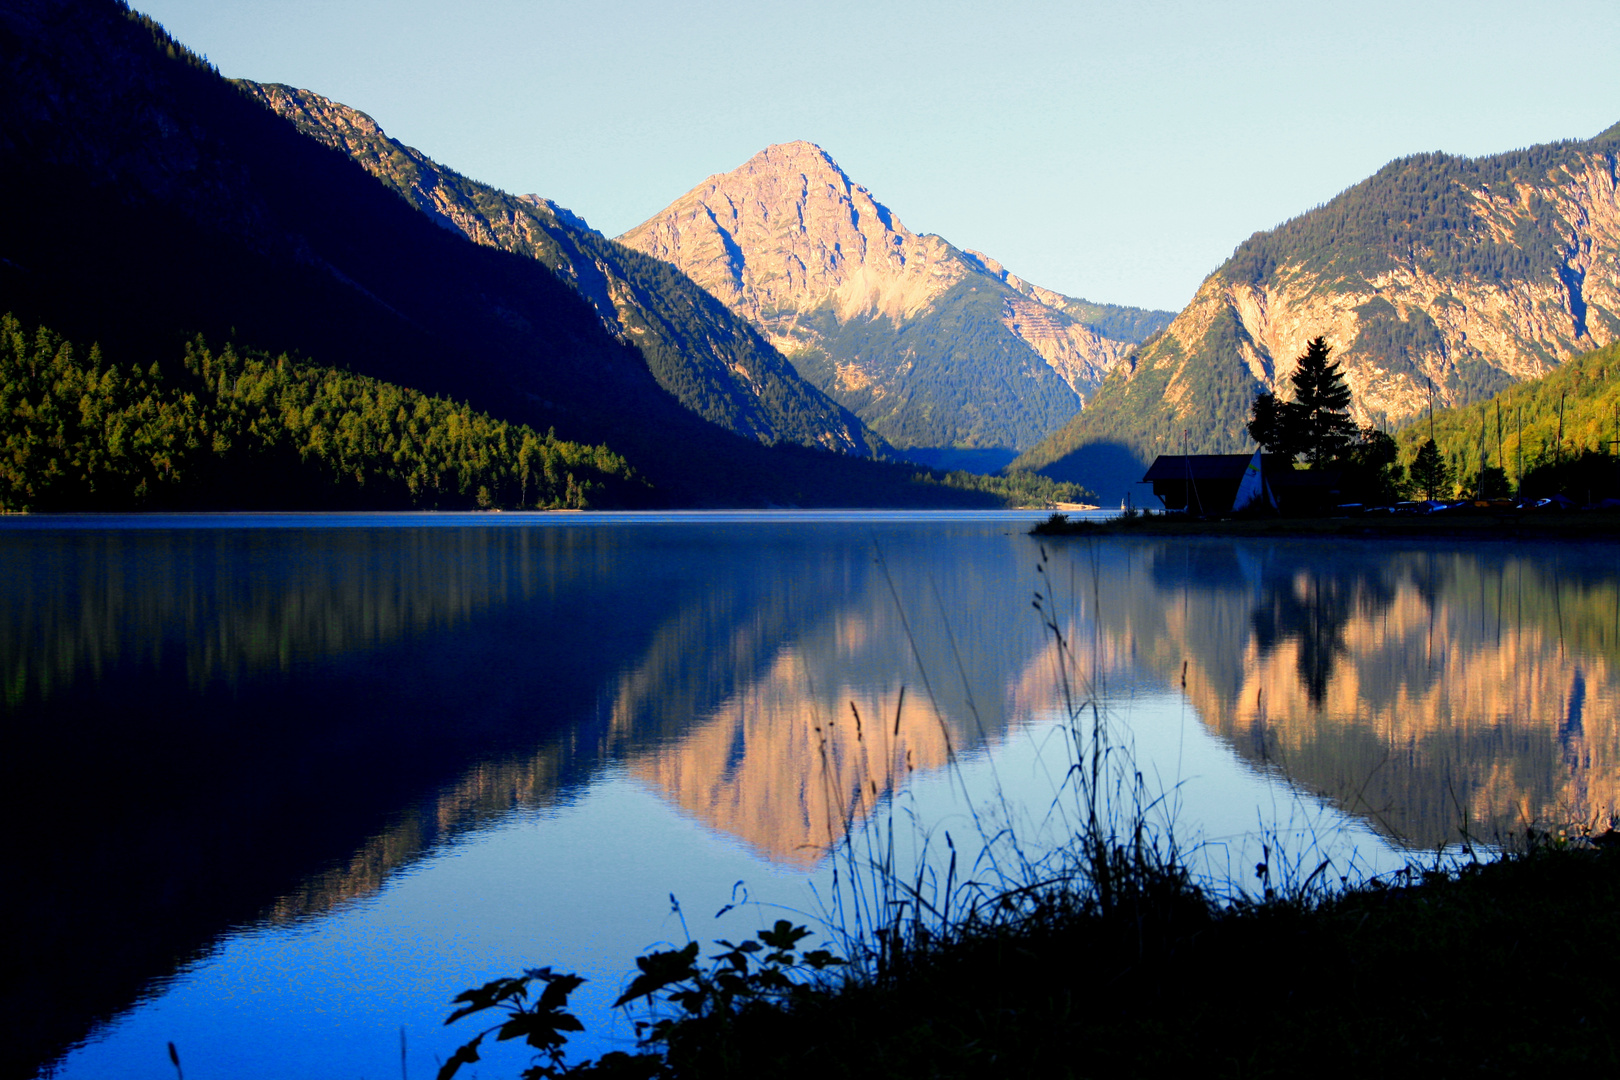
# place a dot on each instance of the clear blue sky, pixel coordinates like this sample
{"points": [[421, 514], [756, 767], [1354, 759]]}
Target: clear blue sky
{"points": [[1112, 151]]}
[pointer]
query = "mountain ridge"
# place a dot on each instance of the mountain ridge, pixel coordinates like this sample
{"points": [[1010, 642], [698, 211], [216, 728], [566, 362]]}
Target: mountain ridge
{"points": [[714, 363], [861, 304], [1438, 276], [150, 201]]}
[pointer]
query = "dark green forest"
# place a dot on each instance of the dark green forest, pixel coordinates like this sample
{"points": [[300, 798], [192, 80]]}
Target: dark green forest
{"points": [[954, 376], [228, 429], [1118, 321], [234, 429]]}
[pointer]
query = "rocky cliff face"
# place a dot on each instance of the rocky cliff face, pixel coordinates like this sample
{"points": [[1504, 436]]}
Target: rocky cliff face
{"points": [[930, 344], [713, 362], [1438, 278]]}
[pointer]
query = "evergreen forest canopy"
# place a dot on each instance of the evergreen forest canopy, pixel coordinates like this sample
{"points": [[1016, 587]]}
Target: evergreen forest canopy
{"points": [[241, 431], [1556, 435], [941, 378], [1559, 434]]}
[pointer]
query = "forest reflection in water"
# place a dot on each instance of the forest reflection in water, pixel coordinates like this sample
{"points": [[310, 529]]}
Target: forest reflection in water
{"points": [[264, 725]]}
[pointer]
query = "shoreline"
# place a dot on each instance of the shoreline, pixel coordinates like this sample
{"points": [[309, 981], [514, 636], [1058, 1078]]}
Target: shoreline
{"points": [[1574, 525]]}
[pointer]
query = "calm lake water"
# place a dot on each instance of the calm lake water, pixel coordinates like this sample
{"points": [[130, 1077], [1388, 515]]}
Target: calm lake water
{"points": [[281, 786]]}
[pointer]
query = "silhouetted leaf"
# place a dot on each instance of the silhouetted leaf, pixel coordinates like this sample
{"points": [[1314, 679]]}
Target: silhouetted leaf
{"points": [[464, 1054]]}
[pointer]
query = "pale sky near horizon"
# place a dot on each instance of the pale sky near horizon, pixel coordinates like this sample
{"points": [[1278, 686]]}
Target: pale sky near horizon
{"points": [[1116, 152]]}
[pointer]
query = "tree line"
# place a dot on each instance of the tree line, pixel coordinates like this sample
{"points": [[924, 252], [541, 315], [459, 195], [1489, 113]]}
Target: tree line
{"points": [[1559, 434], [242, 430], [1424, 208]]}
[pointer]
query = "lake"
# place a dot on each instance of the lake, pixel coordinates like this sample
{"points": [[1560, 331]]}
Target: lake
{"points": [[282, 785]]}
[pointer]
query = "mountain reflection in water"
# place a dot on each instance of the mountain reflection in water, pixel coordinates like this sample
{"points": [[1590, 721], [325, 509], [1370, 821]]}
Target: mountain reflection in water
{"points": [[234, 727]]}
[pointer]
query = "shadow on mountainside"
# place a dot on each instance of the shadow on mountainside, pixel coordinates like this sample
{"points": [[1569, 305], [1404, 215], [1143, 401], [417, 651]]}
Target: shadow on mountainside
{"points": [[986, 459], [1111, 469]]}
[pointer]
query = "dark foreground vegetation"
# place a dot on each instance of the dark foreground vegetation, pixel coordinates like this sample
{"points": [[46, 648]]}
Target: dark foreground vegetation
{"points": [[1500, 968]]}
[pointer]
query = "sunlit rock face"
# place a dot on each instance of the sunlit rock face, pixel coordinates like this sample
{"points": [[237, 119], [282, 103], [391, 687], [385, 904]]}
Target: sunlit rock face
{"points": [[884, 319], [789, 770], [788, 230], [787, 732]]}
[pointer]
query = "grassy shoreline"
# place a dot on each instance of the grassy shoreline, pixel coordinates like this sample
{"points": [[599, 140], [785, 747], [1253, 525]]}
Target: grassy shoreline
{"points": [[1500, 969]]}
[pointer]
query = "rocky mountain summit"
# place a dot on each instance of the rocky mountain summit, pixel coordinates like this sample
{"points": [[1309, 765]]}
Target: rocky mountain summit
{"points": [[712, 361], [929, 344], [1440, 278]]}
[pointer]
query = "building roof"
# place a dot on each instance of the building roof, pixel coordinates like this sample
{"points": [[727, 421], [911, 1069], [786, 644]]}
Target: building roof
{"points": [[1279, 471], [1198, 467]]}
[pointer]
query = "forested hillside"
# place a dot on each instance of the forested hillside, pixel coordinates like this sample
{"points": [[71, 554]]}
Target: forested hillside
{"points": [[1439, 278], [226, 430], [78, 431], [712, 361], [1560, 432]]}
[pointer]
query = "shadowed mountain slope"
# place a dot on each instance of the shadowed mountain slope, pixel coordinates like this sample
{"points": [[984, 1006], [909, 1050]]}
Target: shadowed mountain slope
{"points": [[712, 361], [929, 344]]}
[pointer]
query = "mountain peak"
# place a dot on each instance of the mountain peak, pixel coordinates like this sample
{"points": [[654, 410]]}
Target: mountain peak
{"points": [[798, 155], [789, 228]]}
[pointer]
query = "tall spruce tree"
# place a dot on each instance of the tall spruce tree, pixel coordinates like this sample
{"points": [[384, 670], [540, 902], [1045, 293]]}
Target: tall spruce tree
{"points": [[1317, 422], [1431, 475], [1320, 411]]}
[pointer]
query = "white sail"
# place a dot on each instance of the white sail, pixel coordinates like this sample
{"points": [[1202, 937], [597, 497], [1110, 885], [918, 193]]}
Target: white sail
{"points": [[1252, 486]]}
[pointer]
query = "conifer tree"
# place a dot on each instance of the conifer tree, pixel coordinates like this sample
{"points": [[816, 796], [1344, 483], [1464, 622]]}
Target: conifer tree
{"points": [[1270, 425], [1430, 474], [1317, 422], [1320, 411]]}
